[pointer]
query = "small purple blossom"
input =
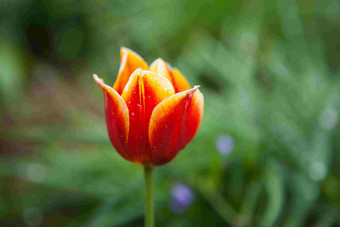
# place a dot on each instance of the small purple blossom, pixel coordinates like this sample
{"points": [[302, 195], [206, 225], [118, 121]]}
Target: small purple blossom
{"points": [[225, 144], [182, 197]]}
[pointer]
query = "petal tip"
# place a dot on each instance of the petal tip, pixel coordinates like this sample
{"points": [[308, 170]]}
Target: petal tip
{"points": [[138, 72], [192, 91], [159, 60], [98, 80], [125, 50]]}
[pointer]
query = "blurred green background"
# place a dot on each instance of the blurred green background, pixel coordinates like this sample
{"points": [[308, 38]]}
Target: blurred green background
{"points": [[268, 149]]}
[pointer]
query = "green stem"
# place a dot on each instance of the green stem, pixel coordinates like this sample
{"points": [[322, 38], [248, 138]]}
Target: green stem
{"points": [[149, 220]]}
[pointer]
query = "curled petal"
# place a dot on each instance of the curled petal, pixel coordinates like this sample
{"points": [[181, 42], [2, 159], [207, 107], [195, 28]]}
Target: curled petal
{"points": [[173, 75], [142, 93], [117, 118], [174, 122], [129, 62]]}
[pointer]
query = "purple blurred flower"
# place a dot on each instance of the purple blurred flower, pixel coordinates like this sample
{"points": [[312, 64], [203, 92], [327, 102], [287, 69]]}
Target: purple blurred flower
{"points": [[225, 144], [182, 197]]}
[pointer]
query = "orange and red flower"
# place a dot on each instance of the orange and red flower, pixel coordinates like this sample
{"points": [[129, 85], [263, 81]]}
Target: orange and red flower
{"points": [[151, 113]]}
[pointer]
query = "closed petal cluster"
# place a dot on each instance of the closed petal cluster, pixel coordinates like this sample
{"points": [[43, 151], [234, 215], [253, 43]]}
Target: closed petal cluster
{"points": [[151, 112]]}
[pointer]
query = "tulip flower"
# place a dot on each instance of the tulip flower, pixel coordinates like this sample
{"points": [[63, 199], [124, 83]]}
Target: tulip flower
{"points": [[151, 112]]}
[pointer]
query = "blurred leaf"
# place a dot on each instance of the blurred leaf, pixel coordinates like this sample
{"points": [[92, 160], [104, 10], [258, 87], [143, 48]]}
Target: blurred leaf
{"points": [[275, 192]]}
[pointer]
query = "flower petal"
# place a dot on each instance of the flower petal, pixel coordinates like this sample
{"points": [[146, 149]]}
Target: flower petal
{"points": [[117, 118], [129, 62], [181, 83], [142, 93], [173, 75], [174, 122]]}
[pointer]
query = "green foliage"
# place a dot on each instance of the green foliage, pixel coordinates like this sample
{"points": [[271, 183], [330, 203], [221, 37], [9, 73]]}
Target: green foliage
{"points": [[269, 72]]}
